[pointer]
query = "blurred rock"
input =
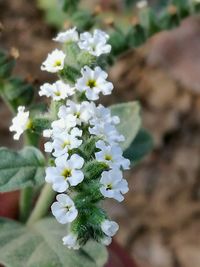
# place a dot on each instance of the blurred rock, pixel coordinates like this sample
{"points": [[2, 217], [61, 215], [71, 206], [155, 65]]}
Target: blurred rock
{"points": [[178, 51]]}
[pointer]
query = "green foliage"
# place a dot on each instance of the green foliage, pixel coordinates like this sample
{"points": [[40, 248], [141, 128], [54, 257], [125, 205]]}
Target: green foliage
{"points": [[70, 5], [118, 42], [84, 20], [40, 123], [87, 225], [69, 74], [21, 169], [88, 148], [54, 15], [130, 120], [149, 21], [140, 147], [93, 169], [136, 36], [14, 90], [17, 92], [7, 64], [41, 246]]}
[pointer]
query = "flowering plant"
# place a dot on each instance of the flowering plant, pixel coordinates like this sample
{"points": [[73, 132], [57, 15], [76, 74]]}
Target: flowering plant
{"points": [[84, 160]]}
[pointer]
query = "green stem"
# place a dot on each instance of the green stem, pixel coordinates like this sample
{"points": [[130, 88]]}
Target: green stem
{"points": [[25, 203], [26, 194], [42, 206]]}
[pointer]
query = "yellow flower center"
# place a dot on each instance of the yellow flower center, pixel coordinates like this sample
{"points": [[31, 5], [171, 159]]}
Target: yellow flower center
{"points": [[66, 173], [29, 124], [68, 208], [57, 93], [108, 187], [77, 114], [57, 63], [91, 83], [66, 143], [108, 157]]}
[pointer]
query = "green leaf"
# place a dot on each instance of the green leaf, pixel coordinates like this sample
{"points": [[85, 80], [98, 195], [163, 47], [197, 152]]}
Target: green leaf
{"points": [[41, 246], [118, 42], [136, 36], [140, 147], [18, 92], [83, 20], [70, 5], [130, 120], [7, 64], [40, 123], [53, 13], [21, 169]]}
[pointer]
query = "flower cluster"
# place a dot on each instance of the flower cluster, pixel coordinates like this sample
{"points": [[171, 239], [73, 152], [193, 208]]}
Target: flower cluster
{"points": [[83, 139]]}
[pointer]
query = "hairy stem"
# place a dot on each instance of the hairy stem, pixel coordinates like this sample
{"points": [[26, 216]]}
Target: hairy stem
{"points": [[42, 206]]}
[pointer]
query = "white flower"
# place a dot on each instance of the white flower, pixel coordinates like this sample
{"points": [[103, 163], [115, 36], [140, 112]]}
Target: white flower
{"points": [[106, 240], [20, 122], [64, 142], [66, 173], [81, 112], [68, 36], [54, 61], [95, 44], [107, 132], [109, 228], [111, 155], [64, 209], [93, 82], [112, 184], [71, 241], [64, 124], [58, 90], [142, 4], [103, 115]]}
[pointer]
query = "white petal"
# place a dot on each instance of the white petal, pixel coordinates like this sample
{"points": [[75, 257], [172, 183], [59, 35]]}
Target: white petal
{"points": [[76, 178]]}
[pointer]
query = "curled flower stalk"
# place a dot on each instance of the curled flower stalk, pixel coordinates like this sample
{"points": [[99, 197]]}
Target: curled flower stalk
{"points": [[84, 145]]}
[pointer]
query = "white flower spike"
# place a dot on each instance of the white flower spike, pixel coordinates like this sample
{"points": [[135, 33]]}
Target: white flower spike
{"points": [[94, 82], [68, 36], [54, 61], [83, 139], [64, 209], [20, 123], [112, 185]]}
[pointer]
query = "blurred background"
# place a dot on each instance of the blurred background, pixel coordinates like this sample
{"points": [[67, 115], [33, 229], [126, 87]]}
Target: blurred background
{"points": [[160, 217]]}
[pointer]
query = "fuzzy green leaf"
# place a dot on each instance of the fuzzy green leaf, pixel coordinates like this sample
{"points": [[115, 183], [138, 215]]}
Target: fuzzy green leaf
{"points": [[18, 92], [140, 147], [21, 169], [41, 246], [130, 120]]}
